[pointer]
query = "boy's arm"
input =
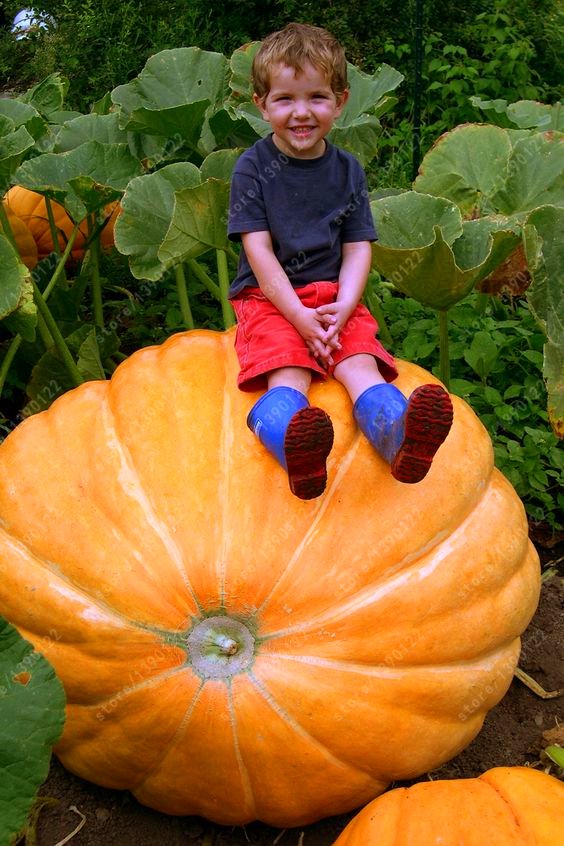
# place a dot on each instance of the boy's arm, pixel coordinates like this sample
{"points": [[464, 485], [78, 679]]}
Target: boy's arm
{"points": [[355, 266], [275, 285]]}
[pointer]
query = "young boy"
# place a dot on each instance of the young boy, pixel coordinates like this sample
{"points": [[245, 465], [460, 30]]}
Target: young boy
{"points": [[300, 207]]}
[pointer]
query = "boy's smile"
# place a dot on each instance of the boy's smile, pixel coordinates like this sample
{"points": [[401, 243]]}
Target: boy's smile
{"points": [[301, 109]]}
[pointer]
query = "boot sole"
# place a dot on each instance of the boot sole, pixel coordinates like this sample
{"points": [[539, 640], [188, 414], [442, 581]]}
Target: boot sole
{"points": [[308, 442], [428, 421]]}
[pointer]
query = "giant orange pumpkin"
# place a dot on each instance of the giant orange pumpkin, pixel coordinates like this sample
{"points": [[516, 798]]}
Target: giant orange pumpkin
{"points": [[31, 209], [228, 649], [507, 806]]}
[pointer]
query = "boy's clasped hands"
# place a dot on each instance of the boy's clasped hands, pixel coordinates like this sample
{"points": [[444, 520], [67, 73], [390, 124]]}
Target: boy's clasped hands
{"points": [[320, 328]]}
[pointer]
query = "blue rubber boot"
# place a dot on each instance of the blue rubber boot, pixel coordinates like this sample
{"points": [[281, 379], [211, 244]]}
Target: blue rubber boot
{"points": [[298, 436], [406, 433]]}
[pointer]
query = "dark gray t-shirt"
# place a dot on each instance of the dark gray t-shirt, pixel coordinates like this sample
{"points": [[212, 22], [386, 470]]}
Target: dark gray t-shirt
{"points": [[309, 206]]}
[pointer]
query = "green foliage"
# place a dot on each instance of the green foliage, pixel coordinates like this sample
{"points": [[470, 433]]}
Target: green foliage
{"points": [[32, 714], [496, 365]]}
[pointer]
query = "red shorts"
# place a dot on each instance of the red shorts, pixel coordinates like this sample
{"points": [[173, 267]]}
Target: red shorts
{"points": [[266, 341]]}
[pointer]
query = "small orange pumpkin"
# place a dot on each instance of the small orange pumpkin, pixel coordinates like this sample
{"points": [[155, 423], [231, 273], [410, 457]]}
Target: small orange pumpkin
{"points": [[25, 241], [506, 806], [232, 651], [30, 208]]}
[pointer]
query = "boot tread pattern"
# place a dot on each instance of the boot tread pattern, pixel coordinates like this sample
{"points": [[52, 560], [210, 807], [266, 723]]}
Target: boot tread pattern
{"points": [[427, 423], [307, 444]]}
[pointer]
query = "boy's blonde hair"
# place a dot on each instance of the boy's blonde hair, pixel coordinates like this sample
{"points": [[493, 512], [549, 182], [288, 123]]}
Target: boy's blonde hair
{"points": [[296, 45]]}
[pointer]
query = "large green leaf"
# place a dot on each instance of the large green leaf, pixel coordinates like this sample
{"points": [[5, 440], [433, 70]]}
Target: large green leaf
{"points": [[408, 219], [198, 222], [357, 129], [526, 114], [429, 254], [240, 65], [32, 712], [102, 128], [172, 94], [467, 166], [535, 174], [13, 147], [485, 243], [23, 320], [48, 95], [147, 209], [359, 137], [366, 91], [544, 249], [22, 114], [220, 164], [85, 179], [13, 277]]}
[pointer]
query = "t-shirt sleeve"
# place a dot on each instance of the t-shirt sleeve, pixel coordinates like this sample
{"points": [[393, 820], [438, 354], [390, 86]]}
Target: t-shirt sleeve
{"points": [[358, 224], [247, 212]]}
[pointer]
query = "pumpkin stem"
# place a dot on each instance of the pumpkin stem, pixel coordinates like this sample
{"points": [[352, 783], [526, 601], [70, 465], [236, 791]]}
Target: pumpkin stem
{"points": [[226, 645]]}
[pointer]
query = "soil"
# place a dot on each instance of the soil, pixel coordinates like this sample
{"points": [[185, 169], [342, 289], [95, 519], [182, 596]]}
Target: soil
{"points": [[514, 733]]}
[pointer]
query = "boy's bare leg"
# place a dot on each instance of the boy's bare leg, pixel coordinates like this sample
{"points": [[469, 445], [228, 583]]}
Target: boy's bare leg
{"points": [[357, 373], [290, 377]]}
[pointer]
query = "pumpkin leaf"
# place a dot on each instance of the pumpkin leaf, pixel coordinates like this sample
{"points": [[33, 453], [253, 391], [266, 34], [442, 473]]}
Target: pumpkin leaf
{"points": [[13, 147], [219, 164], [13, 276], [85, 179], [526, 114], [240, 65], [545, 257], [367, 91], [172, 95], [147, 209], [102, 128], [359, 137], [535, 174], [48, 96], [22, 114], [408, 219], [23, 320], [32, 708], [467, 166], [357, 128], [429, 254], [198, 222]]}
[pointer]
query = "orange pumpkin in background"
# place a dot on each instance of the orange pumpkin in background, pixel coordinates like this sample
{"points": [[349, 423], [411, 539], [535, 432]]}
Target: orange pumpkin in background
{"points": [[506, 806], [31, 209], [25, 241], [232, 651]]}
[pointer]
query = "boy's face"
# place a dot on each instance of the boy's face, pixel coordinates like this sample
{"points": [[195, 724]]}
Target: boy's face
{"points": [[301, 110]]}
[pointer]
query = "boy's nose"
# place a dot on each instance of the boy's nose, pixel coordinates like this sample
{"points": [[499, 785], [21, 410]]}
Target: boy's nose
{"points": [[301, 108]]}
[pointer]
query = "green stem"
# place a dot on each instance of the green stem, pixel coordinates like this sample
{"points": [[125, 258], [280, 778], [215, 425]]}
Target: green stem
{"points": [[376, 309], [183, 297], [44, 332], [61, 264], [58, 339], [96, 283], [7, 360], [223, 276], [444, 360], [7, 228], [206, 280]]}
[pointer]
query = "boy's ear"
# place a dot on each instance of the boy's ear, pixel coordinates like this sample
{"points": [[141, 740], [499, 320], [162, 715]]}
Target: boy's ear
{"points": [[341, 100], [259, 102]]}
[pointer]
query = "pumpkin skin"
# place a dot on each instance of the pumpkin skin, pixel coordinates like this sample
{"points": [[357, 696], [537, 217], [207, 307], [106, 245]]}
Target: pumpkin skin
{"points": [[31, 209], [142, 524], [25, 241], [506, 806]]}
